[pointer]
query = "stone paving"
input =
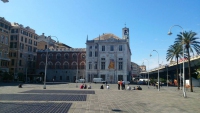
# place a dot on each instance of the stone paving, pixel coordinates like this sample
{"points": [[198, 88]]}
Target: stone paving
{"points": [[167, 100]]}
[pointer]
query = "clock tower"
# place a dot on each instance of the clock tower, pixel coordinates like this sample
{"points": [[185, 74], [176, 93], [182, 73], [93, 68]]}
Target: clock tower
{"points": [[125, 33]]}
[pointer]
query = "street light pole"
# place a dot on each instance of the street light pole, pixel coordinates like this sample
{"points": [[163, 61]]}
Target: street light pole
{"points": [[158, 70], [45, 74], [148, 71], [48, 39], [77, 71], [167, 73], [169, 33]]}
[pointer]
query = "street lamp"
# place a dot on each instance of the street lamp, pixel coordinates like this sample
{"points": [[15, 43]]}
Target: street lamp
{"points": [[158, 70], [77, 71], [45, 75], [167, 73], [169, 33], [148, 71]]}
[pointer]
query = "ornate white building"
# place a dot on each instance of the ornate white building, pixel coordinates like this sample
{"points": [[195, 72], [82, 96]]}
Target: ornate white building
{"points": [[109, 57]]}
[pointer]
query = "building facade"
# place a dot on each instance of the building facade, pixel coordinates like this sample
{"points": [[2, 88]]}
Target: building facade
{"points": [[63, 64], [5, 27], [135, 70], [23, 46], [109, 57]]}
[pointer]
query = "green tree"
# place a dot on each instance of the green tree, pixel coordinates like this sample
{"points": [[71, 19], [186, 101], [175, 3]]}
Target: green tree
{"points": [[174, 52], [191, 44]]}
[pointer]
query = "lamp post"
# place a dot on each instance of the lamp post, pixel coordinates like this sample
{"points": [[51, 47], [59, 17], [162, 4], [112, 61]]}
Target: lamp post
{"points": [[167, 73], [45, 75], [148, 71], [169, 33], [158, 70], [77, 71]]}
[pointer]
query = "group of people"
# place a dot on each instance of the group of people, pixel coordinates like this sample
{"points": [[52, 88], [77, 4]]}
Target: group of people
{"points": [[84, 86], [121, 85], [107, 86], [134, 88]]}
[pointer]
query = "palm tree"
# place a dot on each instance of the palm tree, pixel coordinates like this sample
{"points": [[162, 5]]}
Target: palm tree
{"points": [[190, 44], [174, 51]]}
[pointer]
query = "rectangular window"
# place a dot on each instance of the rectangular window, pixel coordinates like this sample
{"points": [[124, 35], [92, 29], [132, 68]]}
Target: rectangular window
{"points": [[90, 47], [103, 65], [120, 58], [90, 65], [15, 54], [96, 53], [90, 54], [96, 47], [60, 77], [13, 62], [95, 66], [16, 37], [120, 66], [12, 31], [102, 58], [67, 78], [11, 37], [111, 48], [103, 48], [25, 40], [20, 62], [22, 38], [120, 47]]}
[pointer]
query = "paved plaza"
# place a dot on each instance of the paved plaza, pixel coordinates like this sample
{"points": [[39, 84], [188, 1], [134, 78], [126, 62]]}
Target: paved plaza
{"points": [[66, 98]]}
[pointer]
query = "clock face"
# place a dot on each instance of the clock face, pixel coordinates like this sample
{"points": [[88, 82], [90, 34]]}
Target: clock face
{"points": [[125, 32]]}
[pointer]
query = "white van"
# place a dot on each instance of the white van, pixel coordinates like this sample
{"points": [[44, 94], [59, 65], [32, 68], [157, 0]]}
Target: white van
{"points": [[98, 80], [80, 81]]}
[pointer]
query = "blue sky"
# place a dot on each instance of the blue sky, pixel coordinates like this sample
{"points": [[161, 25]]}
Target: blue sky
{"points": [[72, 20]]}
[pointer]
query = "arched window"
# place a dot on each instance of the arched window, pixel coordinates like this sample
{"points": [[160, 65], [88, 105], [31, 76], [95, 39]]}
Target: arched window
{"points": [[74, 65], [43, 56], [83, 56], [58, 65], [41, 65], [50, 56], [82, 65], [66, 56], [58, 56], [50, 65], [66, 65], [74, 56]]}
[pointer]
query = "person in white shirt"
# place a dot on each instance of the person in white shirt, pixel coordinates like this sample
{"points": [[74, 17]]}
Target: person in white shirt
{"points": [[128, 87], [108, 87]]}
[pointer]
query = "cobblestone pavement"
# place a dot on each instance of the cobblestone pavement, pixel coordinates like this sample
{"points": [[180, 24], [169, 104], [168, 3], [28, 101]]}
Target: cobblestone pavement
{"points": [[167, 100]]}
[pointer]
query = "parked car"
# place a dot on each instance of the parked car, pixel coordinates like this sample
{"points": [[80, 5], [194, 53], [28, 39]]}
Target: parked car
{"points": [[80, 81]]}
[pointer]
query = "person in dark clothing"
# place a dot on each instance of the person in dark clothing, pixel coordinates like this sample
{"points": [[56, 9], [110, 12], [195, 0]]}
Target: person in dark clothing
{"points": [[118, 85], [101, 87], [85, 86], [20, 85]]}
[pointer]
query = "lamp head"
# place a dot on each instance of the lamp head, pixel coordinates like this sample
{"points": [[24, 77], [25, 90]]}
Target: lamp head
{"points": [[169, 33], [150, 55]]}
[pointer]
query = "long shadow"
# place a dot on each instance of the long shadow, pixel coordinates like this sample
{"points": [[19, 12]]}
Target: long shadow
{"points": [[10, 83], [2, 84]]}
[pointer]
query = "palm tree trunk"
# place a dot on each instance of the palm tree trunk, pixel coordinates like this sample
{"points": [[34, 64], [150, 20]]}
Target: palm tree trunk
{"points": [[177, 72], [190, 78]]}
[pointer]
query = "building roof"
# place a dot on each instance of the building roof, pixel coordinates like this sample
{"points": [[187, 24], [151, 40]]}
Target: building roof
{"points": [[106, 36]]}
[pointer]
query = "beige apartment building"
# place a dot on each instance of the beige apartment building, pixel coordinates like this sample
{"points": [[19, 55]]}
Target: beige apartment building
{"points": [[4, 44], [23, 46], [53, 42]]}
